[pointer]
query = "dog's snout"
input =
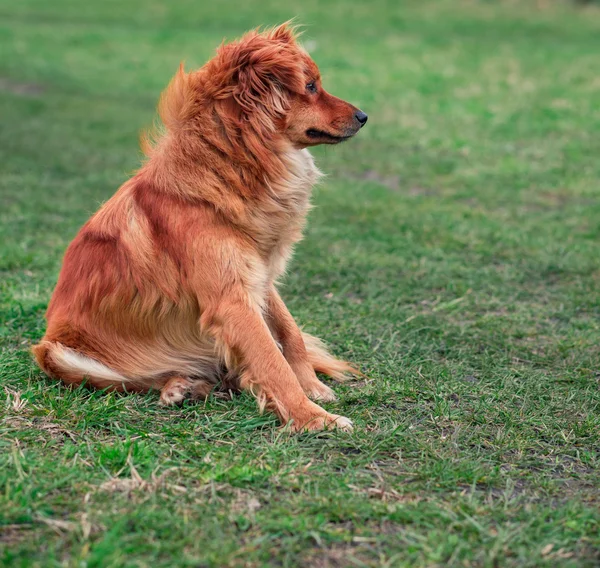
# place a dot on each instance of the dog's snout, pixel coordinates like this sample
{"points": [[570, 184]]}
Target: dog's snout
{"points": [[361, 117]]}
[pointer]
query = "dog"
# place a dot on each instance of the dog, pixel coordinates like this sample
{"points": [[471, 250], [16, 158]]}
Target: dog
{"points": [[172, 284]]}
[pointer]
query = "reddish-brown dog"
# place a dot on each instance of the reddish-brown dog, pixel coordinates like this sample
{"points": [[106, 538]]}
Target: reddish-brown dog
{"points": [[171, 284]]}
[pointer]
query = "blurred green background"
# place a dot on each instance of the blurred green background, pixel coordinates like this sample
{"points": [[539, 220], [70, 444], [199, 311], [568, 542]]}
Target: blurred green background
{"points": [[453, 255]]}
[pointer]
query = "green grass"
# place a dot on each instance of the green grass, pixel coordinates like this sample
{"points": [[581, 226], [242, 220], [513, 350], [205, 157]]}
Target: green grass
{"points": [[453, 254]]}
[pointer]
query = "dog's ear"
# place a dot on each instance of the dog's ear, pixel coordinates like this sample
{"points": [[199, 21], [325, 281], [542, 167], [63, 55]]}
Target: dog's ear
{"points": [[285, 33], [174, 108], [262, 69], [176, 101]]}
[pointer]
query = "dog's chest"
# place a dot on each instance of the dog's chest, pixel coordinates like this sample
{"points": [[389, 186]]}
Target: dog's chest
{"points": [[284, 218]]}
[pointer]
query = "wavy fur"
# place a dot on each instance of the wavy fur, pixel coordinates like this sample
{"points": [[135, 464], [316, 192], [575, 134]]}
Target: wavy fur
{"points": [[171, 284]]}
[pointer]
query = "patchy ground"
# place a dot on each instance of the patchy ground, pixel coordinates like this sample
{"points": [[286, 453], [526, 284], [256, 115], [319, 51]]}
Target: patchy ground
{"points": [[453, 255]]}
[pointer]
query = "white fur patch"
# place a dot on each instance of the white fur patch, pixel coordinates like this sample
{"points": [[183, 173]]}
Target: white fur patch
{"points": [[71, 360]]}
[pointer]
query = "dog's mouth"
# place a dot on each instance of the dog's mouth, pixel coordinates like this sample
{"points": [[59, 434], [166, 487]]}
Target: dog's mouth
{"points": [[315, 134]]}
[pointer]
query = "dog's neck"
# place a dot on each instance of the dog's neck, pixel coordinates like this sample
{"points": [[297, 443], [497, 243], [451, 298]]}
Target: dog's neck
{"points": [[273, 213], [210, 168], [277, 225]]}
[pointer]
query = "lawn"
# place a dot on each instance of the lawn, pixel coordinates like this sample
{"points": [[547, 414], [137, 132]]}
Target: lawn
{"points": [[453, 254]]}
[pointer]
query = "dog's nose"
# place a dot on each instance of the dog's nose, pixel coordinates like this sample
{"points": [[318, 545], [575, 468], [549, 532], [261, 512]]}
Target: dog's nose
{"points": [[361, 117]]}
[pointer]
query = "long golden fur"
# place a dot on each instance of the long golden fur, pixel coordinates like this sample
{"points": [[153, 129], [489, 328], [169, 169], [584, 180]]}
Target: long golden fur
{"points": [[172, 283]]}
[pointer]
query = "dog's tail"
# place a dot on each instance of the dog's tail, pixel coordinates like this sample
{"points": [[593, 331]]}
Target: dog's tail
{"points": [[323, 362], [74, 368]]}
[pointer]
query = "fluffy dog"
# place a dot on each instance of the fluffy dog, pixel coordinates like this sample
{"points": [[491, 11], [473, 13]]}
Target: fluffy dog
{"points": [[171, 285]]}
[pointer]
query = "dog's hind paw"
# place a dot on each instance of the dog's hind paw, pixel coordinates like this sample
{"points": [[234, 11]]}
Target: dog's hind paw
{"points": [[174, 391]]}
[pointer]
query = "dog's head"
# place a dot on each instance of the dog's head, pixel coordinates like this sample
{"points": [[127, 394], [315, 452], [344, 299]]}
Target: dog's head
{"points": [[268, 80]]}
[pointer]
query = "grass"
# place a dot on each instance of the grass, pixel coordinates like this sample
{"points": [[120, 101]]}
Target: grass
{"points": [[453, 254]]}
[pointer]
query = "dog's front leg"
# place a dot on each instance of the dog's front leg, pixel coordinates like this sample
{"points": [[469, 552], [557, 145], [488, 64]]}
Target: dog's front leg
{"points": [[243, 334], [287, 332]]}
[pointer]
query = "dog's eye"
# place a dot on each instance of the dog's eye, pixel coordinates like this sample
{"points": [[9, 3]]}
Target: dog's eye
{"points": [[311, 87]]}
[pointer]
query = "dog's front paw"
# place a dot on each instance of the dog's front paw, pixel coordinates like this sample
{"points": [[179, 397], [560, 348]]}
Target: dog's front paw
{"points": [[341, 422], [327, 422], [320, 392], [319, 420]]}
